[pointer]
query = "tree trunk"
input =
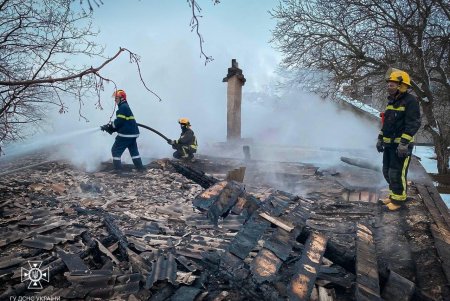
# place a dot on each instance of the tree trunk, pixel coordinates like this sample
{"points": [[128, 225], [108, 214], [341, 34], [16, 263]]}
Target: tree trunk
{"points": [[440, 143], [442, 154]]}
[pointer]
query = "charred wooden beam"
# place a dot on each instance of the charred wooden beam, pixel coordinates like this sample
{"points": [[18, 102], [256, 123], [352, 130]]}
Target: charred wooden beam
{"points": [[278, 222], [367, 282], [277, 248], [342, 256], [248, 236], [398, 288], [197, 176], [307, 267], [337, 275], [109, 221], [225, 201], [117, 233], [205, 200], [236, 174]]}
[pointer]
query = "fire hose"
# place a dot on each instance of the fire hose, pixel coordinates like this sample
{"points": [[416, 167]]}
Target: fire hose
{"points": [[154, 131]]}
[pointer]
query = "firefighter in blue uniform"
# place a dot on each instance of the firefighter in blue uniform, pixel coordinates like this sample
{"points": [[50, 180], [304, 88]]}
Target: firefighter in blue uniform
{"points": [[401, 122], [186, 146], [127, 132]]}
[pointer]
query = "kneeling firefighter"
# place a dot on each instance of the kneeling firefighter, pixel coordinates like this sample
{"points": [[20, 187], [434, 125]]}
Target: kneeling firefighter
{"points": [[186, 145], [127, 132]]}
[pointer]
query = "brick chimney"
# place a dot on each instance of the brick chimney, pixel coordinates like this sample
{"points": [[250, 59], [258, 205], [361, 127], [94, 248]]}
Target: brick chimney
{"points": [[235, 80]]}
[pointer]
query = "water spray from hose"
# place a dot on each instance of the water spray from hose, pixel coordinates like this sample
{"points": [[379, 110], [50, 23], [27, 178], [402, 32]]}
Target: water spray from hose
{"points": [[19, 149]]}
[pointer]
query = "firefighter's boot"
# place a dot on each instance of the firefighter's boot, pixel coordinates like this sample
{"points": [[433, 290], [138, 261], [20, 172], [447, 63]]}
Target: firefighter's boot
{"points": [[394, 205]]}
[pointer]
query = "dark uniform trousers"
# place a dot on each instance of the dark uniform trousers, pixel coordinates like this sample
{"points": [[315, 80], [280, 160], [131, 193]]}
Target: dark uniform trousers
{"points": [[119, 147], [183, 151], [395, 171]]}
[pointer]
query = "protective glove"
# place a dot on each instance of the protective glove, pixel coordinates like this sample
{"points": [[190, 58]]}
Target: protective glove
{"points": [[402, 150], [171, 142], [380, 146], [107, 128]]}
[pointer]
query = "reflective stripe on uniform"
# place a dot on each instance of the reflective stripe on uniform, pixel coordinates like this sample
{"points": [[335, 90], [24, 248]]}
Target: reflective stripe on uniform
{"points": [[396, 140], [402, 197], [183, 150], [389, 140], [407, 137], [194, 145], [391, 107], [116, 158], [128, 136], [135, 157], [125, 117]]}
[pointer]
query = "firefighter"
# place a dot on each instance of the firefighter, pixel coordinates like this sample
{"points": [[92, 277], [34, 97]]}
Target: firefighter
{"points": [[401, 121], [127, 132], [186, 146]]}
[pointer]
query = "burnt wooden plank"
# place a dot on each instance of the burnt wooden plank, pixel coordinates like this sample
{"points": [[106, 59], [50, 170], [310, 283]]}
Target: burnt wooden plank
{"points": [[398, 288], [367, 281], [236, 174], [277, 202], [233, 266], [432, 208], [208, 197], [442, 243], [239, 206], [299, 215], [197, 176], [439, 203], [276, 249], [337, 275], [285, 225], [226, 199], [248, 236], [246, 204], [265, 265], [282, 242], [114, 230], [302, 282]]}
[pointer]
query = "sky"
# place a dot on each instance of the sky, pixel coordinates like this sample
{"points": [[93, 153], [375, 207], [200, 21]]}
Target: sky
{"points": [[171, 66]]}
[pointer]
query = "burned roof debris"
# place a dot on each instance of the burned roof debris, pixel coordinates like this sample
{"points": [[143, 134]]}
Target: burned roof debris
{"points": [[184, 231]]}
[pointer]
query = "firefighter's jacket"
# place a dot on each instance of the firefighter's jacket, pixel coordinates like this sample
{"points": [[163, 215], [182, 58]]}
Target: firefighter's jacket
{"points": [[125, 125], [401, 119], [187, 138]]}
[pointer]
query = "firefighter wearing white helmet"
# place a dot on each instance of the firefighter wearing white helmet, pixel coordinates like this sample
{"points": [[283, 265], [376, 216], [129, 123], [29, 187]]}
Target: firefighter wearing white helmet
{"points": [[395, 140], [186, 145]]}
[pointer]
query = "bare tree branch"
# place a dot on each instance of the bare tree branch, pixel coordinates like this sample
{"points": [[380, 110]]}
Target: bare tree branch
{"points": [[195, 25], [355, 42]]}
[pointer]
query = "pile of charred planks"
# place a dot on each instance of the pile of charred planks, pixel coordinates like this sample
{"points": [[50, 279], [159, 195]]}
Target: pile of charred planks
{"points": [[223, 243]]}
